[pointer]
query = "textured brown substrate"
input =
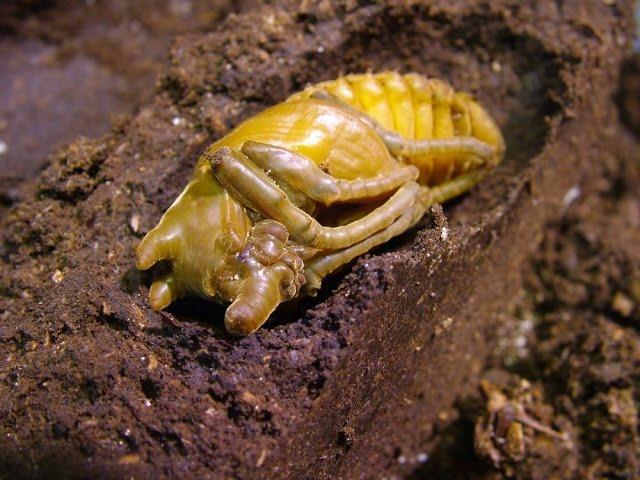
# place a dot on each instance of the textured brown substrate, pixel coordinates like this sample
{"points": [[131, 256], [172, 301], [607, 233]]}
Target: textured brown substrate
{"points": [[353, 384], [569, 345], [69, 66], [628, 93]]}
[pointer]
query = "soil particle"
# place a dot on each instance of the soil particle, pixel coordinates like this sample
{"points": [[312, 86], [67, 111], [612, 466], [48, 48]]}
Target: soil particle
{"points": [[360, 382]]}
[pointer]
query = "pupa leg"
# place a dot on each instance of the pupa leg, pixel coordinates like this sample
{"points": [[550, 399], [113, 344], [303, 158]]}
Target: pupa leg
{"points": [[400, 146], [164, 291], [455, 187], [304, 175], [264, 274], [322, 265], [261, 292], [254, 189]]}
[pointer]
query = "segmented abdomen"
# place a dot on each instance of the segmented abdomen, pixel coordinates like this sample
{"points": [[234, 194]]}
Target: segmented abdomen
{"points": [[418, 108]]}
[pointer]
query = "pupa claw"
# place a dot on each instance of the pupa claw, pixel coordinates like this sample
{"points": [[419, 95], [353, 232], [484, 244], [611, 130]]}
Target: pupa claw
{"points": [[163, 292], [258, 297], [261, 292]]}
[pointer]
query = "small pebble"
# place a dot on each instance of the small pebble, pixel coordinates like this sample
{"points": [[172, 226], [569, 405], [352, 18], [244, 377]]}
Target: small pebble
{"points": [[422, 457], [623, 304], [57, 276], [134, 223], [176, 121], [572, 194], [444, 234], [3, 147]]}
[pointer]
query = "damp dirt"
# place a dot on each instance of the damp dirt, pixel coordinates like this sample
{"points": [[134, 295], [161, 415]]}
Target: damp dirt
{"points": [[569, 346], [69, 68], [380, 375], [628, 93]]}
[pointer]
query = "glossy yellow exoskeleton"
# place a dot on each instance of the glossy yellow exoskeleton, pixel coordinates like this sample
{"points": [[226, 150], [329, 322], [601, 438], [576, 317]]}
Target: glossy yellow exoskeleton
{"points": [[307, 185]]}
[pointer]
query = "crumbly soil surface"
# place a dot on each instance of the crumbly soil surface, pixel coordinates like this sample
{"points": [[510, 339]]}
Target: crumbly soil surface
{"points": [[497, 340], [628, 93], [569, 348], [68, 68]]}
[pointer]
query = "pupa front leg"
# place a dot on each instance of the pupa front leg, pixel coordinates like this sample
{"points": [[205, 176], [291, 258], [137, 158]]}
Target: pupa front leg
{"points": [[260, 277], [255, 190]]}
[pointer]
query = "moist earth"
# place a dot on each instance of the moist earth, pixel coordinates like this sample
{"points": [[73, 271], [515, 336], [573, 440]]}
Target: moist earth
{"points": [[569, 349], [424, 359], [70, 67]]}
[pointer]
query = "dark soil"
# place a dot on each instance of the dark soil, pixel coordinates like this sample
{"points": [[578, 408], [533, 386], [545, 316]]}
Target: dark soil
{"points": [[628, 95], [570, 340], [379, 377], [69, 67]]}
